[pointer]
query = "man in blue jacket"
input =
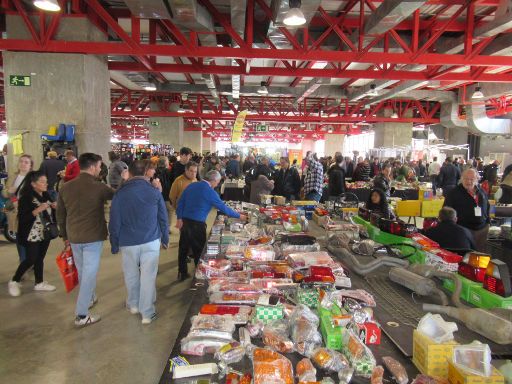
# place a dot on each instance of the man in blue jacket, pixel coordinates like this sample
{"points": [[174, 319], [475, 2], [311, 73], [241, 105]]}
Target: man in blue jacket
{"points": [[138, 226], [194, 205]]}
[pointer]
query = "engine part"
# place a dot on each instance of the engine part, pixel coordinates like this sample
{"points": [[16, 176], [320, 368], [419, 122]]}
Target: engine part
{"points": [[495, 324], [365, 269], [431, 271], [416, 283]]}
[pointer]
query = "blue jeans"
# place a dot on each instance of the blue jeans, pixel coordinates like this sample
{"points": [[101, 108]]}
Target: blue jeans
{"points": [[87, 260], [313, 195], [22, 252], [140, 266]]}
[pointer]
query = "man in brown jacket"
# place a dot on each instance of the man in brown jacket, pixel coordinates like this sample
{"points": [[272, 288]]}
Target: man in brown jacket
{"points": [[182, 182], [81, 220]]}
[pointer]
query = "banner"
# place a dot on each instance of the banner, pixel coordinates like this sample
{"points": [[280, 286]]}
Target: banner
{"points": [[295, 154], [238, 127]]}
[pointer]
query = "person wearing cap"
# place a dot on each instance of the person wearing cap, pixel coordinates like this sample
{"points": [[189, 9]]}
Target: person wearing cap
{"points": [[51, 166]]}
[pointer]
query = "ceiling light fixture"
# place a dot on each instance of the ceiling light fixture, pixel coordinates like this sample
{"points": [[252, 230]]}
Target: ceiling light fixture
{"points": [[478, 93], [294, 16], [47, 5], [373, 91], [150, 87], [263, 90], [394, 115]]}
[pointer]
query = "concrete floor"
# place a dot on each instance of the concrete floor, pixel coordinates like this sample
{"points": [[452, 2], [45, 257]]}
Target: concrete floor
{"points": [[40, 344]]}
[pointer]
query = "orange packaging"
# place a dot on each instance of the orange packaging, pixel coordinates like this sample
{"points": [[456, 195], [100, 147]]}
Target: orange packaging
{"points": [[270, 366]]}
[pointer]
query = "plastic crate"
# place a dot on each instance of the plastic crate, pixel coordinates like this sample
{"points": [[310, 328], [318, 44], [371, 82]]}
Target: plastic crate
{"points": [[466, 285], [482, 298], [333, 337], [429, 357]]}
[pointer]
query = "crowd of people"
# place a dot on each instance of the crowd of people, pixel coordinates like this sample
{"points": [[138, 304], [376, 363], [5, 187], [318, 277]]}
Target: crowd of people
{"points": [[68, 199]]}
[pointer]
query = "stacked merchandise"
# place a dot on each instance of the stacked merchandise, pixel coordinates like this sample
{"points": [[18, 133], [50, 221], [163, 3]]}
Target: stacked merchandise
{"points": [[273, 295]]}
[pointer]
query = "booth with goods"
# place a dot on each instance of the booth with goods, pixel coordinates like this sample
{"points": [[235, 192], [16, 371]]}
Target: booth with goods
{"points": [[313, 293]]}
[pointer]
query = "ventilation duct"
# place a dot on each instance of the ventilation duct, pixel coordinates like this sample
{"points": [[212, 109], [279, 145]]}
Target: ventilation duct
{"points": [[389, 14], [363, 91], [406, 86], [148, 9], [311, 87], [238, 10]]}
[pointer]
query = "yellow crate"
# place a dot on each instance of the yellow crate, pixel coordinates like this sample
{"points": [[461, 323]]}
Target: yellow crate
{"points": [[457, 375], [408, 208], [430, 357], [298, 203], [425, 194], [431, 208]]}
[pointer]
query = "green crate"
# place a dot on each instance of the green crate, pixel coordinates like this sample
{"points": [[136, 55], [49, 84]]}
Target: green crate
{"points": [[385, 238], [482, 298], [332, 335], [466, 285]]}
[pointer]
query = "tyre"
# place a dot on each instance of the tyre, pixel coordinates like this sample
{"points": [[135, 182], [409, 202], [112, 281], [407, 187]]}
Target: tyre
{"points": [[9, 235]]}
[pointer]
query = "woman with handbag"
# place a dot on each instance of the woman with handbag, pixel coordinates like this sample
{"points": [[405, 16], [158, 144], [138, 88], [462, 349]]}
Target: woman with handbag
{"points": [[36, 228]]}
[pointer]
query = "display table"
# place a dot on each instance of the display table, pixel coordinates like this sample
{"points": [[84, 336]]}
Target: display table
{"points": [[233, 194], [397, 312]]}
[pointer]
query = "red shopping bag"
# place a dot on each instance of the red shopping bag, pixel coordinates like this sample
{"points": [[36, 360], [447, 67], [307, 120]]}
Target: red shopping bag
{"points": [[67, 269]]}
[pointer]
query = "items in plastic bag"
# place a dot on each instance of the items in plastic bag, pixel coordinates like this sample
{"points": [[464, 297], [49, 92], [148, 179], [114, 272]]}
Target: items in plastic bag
{"points": [[261, 240], [377, 375], [397, 370], [201, 345], [277, 340], [307, 259], [271, 367], [474, 358], [339, 297], [234, 251], [305, 370], [247, 298], [267, 284], [506, 371], [329, 360], [287, 249], [255, 328], [435, 327], [304, 330], [345, 375], [260, 253], [230, 353], [212, 268], [426, 379], [359, 355], [241, 313], [213, 322], [230, 286]]}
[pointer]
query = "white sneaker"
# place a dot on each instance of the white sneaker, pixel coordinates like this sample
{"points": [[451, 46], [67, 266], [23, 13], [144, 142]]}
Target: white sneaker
{"points": [[132, 310], [14, 288], [93, 302], [44, 287], [149, 320], [87, 320]]}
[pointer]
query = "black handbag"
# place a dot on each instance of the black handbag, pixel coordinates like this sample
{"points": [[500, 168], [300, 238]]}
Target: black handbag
{"points": [[50, 229]]}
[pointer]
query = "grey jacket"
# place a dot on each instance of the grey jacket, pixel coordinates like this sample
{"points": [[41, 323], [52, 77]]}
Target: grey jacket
{"points": [[261, 186]]}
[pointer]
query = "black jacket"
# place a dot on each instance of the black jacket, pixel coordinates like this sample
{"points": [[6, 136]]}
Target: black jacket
{"points": [[165, 177], [336, 175], [451, 235], [25, 217], [382, 183], [50, 167], [460, 200], [449, 175], [287, 183]]}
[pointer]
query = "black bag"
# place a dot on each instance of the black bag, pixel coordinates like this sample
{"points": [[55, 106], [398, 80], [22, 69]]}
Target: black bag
{"points": [[50, 229]]}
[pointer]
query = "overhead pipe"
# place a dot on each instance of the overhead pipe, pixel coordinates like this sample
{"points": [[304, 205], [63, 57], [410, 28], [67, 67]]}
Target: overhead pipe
{"points": [[389, 14]]}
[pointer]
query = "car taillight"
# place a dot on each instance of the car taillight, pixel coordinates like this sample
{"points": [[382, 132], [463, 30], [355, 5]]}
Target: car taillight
{"points": [[478, 260], [471, 273], [497, 278]]}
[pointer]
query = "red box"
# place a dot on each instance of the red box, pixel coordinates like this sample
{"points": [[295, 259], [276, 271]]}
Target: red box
{"points": [[369, 333]]}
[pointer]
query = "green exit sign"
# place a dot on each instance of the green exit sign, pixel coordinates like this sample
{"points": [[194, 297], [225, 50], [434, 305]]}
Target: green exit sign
{"points": [[19, 80], [153, 123], [261, 128]]}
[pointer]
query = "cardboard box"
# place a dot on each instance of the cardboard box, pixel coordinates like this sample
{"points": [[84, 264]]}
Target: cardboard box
{"points": [[279, 200], [457, 375], [430, 357], [369, 333], [425, 194]]}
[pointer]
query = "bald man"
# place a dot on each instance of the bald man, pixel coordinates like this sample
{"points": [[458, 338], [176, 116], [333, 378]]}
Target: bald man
{"points": [[472, 207]]}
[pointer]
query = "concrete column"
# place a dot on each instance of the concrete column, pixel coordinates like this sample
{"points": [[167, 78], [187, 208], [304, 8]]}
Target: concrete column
{"points": [[307, 145], [168, 130], [207, 144], [193, 140], [392, 134], [65, 88], [333, 143]]}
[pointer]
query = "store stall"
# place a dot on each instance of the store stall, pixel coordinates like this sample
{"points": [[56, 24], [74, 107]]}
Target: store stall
{"points": [[343, 297]]}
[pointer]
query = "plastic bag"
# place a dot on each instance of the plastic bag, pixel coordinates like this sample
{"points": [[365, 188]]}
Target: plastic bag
{"points": [[213, 322], [397, 370], [230, 353], [276, 339], [305, 371], [67, 269], [212, 268], [377, 375], [304, 330], [201, 345], [329, 360], [271, 367], [359, 355], [247, 298], [260, 253]]}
